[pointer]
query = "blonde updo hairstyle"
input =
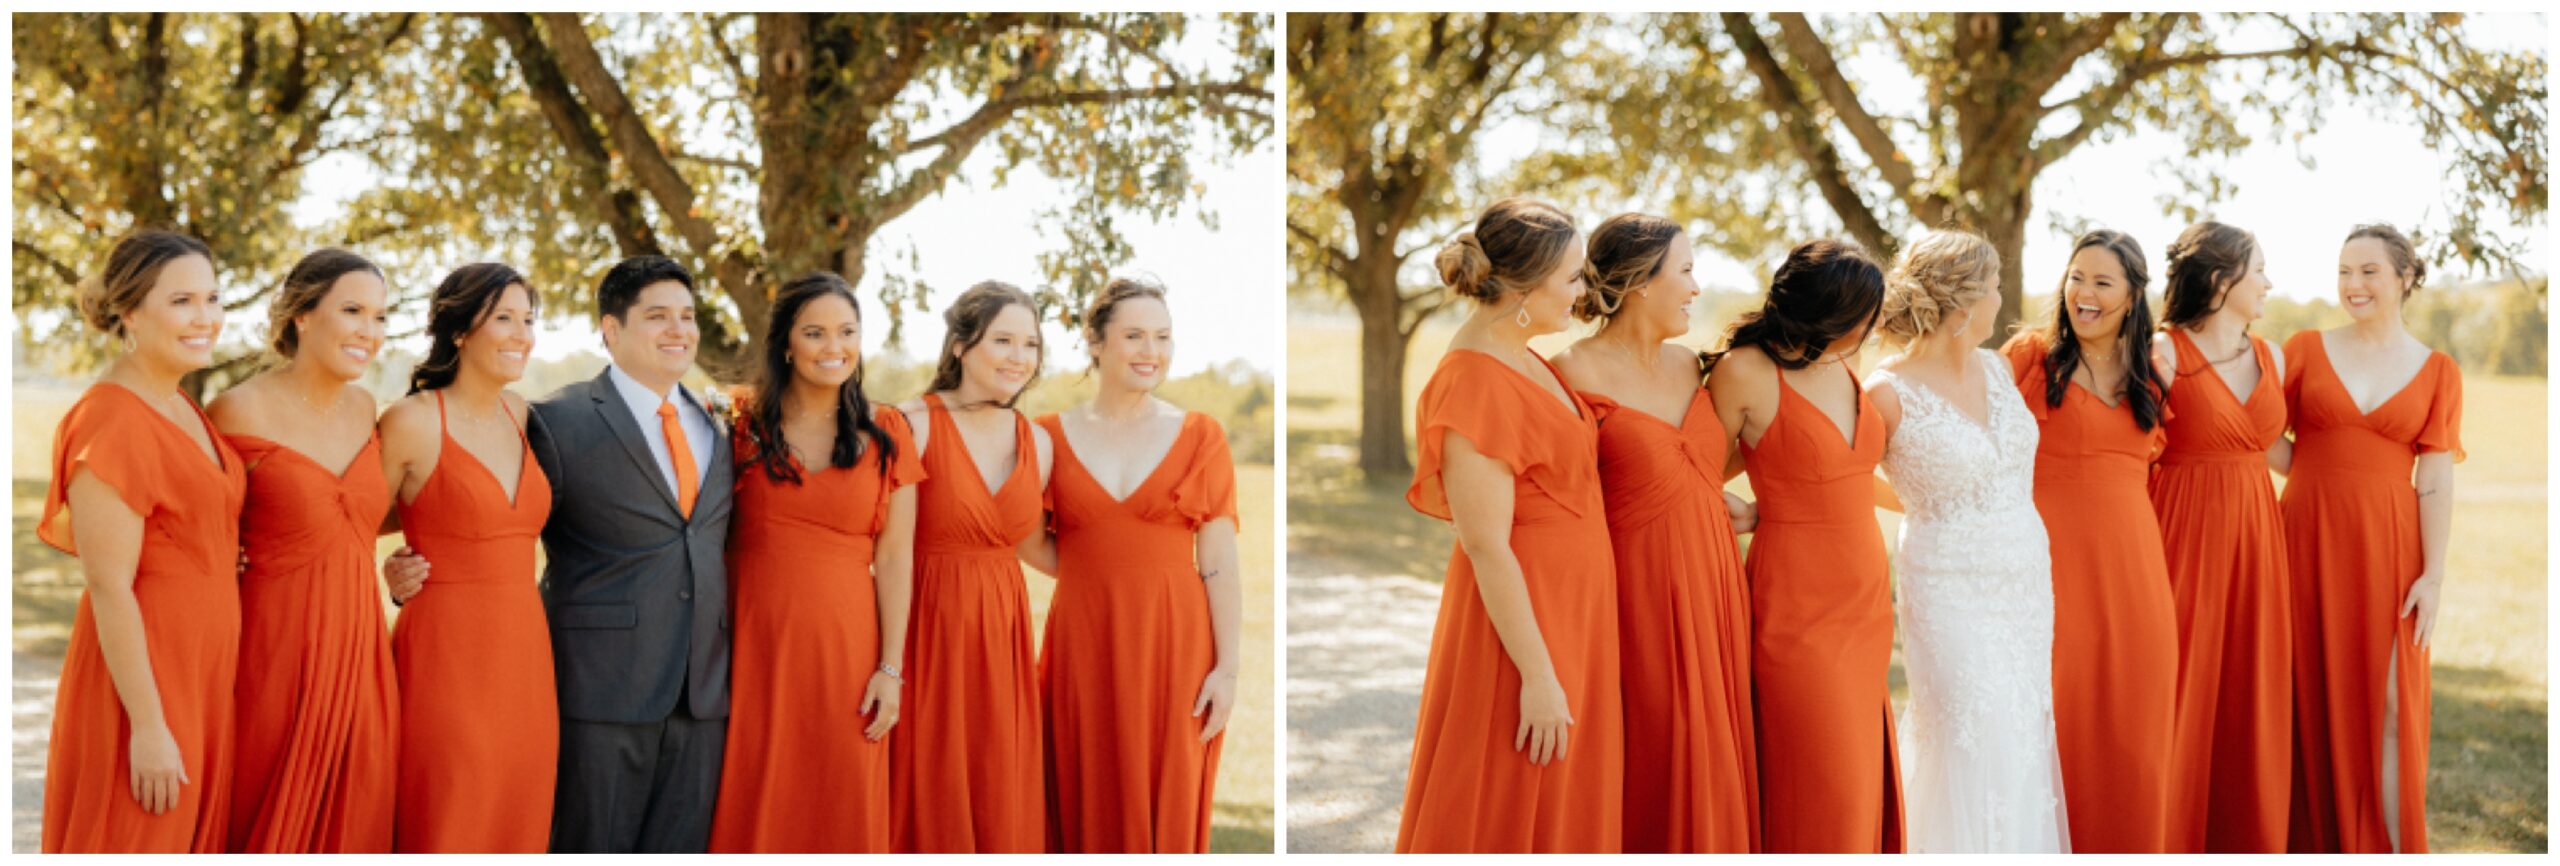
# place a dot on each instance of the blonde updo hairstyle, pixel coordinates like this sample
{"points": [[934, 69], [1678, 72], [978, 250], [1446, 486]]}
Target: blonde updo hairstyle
{"points": [[1935, 277], [1626, 252], [133, 267], [1516, 243]]}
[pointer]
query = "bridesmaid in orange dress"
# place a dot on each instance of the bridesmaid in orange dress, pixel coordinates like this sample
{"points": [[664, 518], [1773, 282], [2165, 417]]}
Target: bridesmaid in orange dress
{"points": [[2224, 537], [140, 756], [319, 703], [1520, 746], [1684, 612], [2115, 625], [2377, 420], [965, 773], [1136, 663], [1821, 609], [480, 721], [820, 562]]}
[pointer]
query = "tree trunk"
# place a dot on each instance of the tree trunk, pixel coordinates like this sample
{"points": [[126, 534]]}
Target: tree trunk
{"points": [[1383, 343]]}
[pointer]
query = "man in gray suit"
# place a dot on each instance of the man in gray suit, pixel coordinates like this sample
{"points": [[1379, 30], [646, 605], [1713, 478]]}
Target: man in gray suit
{"points": [[636, 591]]}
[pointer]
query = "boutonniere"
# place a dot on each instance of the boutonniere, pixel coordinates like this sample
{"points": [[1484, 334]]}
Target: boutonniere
{"points": [[720, 407]]}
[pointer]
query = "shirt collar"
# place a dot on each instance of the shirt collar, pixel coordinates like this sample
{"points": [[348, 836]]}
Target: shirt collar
{"points": [[638, 395]]}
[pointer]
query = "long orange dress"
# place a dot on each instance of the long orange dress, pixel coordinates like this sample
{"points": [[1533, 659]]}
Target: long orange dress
{"points": [[480, 718], [798, 776], [319, 700], [2224, 537], [965, 765], [1468, 790], [2115, 627], [2351, 527], [190, 603], [1684, 632], [1127, 644], [1822, 635]]}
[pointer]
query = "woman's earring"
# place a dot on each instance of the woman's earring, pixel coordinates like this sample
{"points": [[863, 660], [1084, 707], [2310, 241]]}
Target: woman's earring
{"points": [[1523, 318]]}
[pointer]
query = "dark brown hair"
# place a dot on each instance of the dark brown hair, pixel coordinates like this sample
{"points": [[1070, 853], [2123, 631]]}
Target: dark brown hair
{"points": [[133, 267], [2142, 388], [1514, 244], [1627, 251], [2404, 255], [965, 324], [854, 424], [304, 288], [2203, 260], [1827, 289], [1098, 314], [458, 306]]}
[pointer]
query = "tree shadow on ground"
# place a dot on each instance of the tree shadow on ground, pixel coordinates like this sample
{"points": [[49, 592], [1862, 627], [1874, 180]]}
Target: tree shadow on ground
{"points": [[1240, 828], [1335, 516], [2488, 768]]}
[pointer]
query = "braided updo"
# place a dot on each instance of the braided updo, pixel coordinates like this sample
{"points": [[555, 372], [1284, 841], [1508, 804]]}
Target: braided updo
{"points": [[1514, 244], [1941, 273], [1626, 252]]}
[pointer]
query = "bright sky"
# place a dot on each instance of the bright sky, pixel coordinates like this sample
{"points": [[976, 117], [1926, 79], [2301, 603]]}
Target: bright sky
{"points": [[1220, 281], [2369, 169]]}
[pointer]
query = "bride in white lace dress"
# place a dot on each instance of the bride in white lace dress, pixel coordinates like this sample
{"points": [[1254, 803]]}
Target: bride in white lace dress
{"points": [[1980, 772]]}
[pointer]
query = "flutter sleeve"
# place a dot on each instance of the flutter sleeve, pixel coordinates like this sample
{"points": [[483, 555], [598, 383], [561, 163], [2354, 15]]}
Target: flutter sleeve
{"points": [[1207, 490], [2443, 430], [112, 439], [1463, 398]]}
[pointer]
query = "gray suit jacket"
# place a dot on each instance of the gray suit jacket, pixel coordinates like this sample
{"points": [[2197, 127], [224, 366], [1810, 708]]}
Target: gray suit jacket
{"points": [[637, 594]]}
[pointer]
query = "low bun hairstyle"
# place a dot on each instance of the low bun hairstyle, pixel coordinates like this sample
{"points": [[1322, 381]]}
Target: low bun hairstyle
{"points": [[1626, 252], [1516, 243], [133, 267], [2204, 258], [964, 325], [1098, 314], [1826, 290], [1933, 278], [304, 288], [2404, 255], [457, 307]]}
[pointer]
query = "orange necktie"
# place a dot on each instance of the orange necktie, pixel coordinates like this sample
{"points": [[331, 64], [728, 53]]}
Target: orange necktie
{"points": [[682, 454]]}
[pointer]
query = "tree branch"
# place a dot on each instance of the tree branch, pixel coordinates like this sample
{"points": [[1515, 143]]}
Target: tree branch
{"points": [[2091, 36], [1803, 134], [1335, 261], [619, 210], [966, 132], [1810, 50], [631, 137], [70, 277], [729, 56]]}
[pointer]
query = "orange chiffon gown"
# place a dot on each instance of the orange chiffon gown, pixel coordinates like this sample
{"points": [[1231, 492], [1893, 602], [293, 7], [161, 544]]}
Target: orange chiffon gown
{"points": [[1684, 632], [1126, 647], [1821, 635], [2351, 528], [319, 700], [2115, 628], [965, 765], [1468, 790], [2224, 537], [480, 718], [190, 600], [798, 776]]}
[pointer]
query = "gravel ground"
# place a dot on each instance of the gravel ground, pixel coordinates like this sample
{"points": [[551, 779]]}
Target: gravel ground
{"points": [[1357, 646]]}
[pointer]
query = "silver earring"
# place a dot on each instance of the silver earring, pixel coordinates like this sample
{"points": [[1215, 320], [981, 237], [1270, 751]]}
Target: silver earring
{"points": [[1523, 317]]}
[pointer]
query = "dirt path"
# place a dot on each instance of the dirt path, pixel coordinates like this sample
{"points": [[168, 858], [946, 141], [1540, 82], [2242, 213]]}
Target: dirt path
{"points": [[1356, 652]]}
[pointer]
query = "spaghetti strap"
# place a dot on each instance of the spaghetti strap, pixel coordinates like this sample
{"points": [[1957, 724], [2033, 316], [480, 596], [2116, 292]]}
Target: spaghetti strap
{"points": [[441, 428]]}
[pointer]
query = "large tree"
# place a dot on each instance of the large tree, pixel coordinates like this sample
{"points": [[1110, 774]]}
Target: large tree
{"points": [[1384, 111], [2002, 96], [752, 147]]}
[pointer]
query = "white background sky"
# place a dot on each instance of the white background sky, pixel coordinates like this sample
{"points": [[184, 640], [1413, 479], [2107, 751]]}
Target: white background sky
{"points": [[2369, 168]]}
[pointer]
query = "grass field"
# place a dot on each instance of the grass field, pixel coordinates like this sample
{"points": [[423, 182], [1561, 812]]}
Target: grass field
{"points": [[2489, 783], [47, 588]]}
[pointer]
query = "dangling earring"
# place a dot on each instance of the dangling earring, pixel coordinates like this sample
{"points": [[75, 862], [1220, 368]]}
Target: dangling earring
{"points": [[1523, 318], [125, 338]]}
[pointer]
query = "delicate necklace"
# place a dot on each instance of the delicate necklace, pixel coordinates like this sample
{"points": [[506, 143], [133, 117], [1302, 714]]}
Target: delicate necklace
{"points": [[2244, 349], [340, 396]]}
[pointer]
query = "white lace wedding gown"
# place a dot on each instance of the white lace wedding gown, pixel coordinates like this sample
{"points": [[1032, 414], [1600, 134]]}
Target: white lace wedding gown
{"points": [[1980, 772]]}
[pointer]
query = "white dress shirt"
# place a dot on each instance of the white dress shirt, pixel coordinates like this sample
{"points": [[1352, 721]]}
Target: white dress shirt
{"points": [[698, 433]]}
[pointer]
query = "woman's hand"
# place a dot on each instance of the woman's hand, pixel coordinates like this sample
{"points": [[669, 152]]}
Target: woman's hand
{"points": [[880, 702], [158, 768], [1746, 516], [1217, 701], [406, 573], [2422, 601], [1543, 720]]}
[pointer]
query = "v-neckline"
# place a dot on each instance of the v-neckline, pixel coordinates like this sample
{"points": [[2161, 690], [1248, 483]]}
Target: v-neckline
{"points": [[1570, 403], [1066, 444], [2216, 373], [370, 441], [1988, 408], [2322, 338], [514, 497], [991, 490], [213, 436], [1687, 410]]}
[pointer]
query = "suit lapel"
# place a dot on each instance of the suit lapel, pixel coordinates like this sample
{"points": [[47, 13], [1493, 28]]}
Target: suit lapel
{"points": [[616, 413]]}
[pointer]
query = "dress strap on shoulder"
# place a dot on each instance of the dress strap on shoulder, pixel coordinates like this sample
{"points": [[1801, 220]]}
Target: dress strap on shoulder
{"points": [[441, 427]]}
